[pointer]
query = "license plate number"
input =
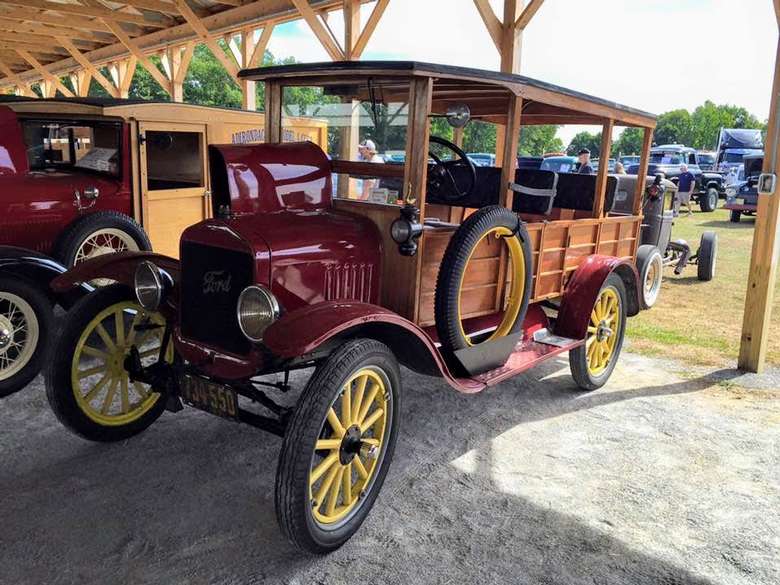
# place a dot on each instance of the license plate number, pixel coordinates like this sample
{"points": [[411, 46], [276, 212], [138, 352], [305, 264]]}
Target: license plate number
{"points": [[214, 398]]}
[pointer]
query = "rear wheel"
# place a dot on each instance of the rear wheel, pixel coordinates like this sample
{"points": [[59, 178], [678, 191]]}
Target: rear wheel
{"points": [[87, 384], [708, 201], [102, 232], [593, 362], [707, 256], [736, 215], [338, 446], [650, 265], [26, 319]]}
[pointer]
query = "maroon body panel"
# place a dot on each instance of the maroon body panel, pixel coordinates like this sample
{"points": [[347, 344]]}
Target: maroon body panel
{"points": [[583, 288], [37, 206]]}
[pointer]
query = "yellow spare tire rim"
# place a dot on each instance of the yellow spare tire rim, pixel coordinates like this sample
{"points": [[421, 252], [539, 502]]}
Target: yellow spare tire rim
{"points": [[603, 331], [350, 448], [100, 383], [514, 301]]}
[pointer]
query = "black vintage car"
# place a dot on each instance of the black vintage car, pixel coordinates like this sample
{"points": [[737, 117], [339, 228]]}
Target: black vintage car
{"points": [[669, 158], [742, 196], [26, 313]]}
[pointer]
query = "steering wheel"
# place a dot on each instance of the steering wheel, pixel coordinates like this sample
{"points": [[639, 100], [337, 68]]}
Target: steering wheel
{"points": [[441, 180]]}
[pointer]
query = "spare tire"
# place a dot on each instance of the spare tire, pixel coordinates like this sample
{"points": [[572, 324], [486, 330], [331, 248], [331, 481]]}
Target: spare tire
{"points": [[493, 221], [707, 256]]}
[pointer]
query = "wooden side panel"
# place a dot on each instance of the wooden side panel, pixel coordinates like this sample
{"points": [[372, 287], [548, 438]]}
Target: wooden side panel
{"points": [[171, 214]]}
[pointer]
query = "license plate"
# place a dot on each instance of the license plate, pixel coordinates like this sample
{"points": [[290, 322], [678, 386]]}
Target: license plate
{"points": [[214, 398]]}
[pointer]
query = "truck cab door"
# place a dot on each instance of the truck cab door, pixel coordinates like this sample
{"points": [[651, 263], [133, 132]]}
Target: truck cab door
{"points": [[173, 181]]}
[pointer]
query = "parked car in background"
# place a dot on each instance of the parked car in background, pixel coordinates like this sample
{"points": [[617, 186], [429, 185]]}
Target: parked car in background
{"points": [[630, 159], [707, 160], [482, 159], [736, 143], [669, 158], [559, 164], [529, 162], [742, 196], [610, 168]]}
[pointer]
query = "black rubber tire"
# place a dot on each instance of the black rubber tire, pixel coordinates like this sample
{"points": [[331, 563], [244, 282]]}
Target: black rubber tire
{"points": [[646, 256], [578, 358], [735, 216], [707, 256], [454, 264], [44, 315], [293, 507], [78, 232], [708, 200], [59, 390]]}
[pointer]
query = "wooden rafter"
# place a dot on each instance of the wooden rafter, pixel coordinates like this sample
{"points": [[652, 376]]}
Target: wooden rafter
{"points": [[42, 40], [256, 58], [137, 53], [47, 75], [528, 13], [89, 67], [200, 29], [368, 30], [23, 87], [45, 52], [17, 26], [160, 22], [320, 31], [36, 16], [492, 23]]}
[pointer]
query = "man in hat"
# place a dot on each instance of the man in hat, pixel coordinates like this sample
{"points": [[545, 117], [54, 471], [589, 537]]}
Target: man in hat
{"points": [[585, 167], [367, 153]]}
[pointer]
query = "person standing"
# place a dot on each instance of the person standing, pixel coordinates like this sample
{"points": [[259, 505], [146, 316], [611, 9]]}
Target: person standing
{"points": [[585, 168], [367, 153], [685, 185]]}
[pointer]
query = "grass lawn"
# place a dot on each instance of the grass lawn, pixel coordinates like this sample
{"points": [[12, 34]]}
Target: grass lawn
{"points": [[701, 322]]}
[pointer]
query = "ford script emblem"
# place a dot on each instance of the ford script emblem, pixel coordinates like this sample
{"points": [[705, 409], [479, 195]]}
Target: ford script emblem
{"points": [[216, 281]]}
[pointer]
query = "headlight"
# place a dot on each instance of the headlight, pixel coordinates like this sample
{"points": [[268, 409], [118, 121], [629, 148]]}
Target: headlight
{"points": [[400, 231], [257, 309], [148, 286], [731, 192]]}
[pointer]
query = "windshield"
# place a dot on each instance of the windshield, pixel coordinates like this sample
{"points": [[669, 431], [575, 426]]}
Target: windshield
{"points": [[706, 159], [89, 146], [732, 156], [666, 158]]}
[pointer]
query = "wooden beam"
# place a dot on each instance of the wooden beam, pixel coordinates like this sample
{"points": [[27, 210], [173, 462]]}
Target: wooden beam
{"points": [[47, 75], [511, 37], [248, 87], [644, 163], [89, 67], [23, 87], [11, 24], [315, 24], [603, 173], [492, 24], [136, 52], [153, 5], [351, 26], [184, 64], [46, 52], [200, 29], [528, 13], [105, 13], [44, 41], [81, 80], [511, 142], [368, 30], [125, 72], [273, 112], [765, 254], [62, 20], [256, 59]]}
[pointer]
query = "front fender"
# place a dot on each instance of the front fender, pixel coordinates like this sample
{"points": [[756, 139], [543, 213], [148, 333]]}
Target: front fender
{"points": [[119, 267], [308, 329], [39, 270], [583, 289]]}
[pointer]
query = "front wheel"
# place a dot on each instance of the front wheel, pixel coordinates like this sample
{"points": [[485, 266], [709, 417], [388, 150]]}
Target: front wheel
{"points": [[708, 201], [87, 384], [26, 319], [102, 232], [592, 363], [338, 446]]}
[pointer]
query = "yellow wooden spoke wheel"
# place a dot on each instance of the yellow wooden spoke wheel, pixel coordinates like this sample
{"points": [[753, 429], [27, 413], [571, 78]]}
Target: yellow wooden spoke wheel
{"points": [[100, 383], [353, 438], [87, 384], [592, 363], [338, 446]]}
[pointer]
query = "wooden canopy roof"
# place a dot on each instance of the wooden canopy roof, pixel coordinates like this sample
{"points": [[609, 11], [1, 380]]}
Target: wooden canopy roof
{"points": [[486, 92]]}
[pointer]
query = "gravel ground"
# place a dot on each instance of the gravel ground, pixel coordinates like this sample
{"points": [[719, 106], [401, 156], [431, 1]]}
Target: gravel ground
{"points": [[659, 478]]}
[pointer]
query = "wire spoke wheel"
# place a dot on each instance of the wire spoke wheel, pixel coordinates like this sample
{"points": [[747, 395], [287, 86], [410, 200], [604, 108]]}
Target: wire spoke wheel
{"points": [[100, 382], [351, 446], [19, 334]]}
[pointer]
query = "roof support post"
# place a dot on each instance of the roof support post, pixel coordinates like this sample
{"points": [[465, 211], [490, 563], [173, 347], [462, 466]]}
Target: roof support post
{"points": [[351, 27], [511, 37], [88, 67], [81, 80], [765, 255], [176, 61], [136, 52], [601, 177], [248, 87], [511, 142], [644, 163]]}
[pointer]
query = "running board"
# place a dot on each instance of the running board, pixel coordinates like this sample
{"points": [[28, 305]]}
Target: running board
{"points": [[545, 337]]}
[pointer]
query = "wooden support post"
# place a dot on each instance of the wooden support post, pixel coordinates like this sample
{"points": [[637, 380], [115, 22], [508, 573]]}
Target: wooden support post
{"points": [[644, 162], [54, 83], [511, 141], [351, 26], [273, 112], [82, 60], [766, 246], [511, 37], [81, 80], [457, 137], [248, 87], [200, 29], [349, 140], [136, 52], [368, 30], [601, 177]]}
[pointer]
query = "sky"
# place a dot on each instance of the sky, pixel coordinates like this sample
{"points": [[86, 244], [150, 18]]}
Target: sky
{"points": [[655, 55]]}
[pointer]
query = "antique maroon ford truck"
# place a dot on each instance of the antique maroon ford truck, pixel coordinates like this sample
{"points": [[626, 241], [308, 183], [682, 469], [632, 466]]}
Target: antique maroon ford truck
{"points": [[472, 274]]}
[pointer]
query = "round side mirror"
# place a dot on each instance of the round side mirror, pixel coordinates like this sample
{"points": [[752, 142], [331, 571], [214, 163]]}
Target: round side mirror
{"points": [[458, 115]]}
